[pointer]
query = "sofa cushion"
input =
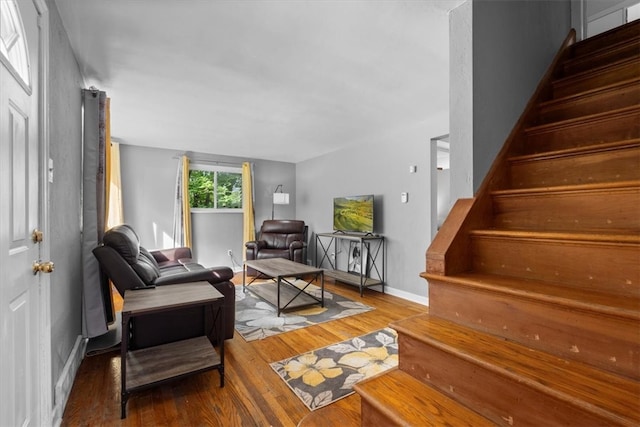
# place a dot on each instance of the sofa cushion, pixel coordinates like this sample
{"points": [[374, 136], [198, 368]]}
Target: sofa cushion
{"points": [[145, 253], [147, 271]]}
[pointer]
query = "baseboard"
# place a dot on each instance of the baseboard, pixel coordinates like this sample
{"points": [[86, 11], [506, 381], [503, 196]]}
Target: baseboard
{"points": [[419, 299], [64, 384]]}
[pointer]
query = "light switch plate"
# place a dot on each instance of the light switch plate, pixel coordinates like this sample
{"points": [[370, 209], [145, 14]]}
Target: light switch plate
{"points": [[404, 197]]}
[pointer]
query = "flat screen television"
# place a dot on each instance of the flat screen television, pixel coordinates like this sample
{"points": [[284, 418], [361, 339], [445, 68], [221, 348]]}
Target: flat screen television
{"points": [[353, 214]]}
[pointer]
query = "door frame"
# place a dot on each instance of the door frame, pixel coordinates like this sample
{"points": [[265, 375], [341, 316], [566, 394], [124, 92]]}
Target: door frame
{"points": [[44, 356]]}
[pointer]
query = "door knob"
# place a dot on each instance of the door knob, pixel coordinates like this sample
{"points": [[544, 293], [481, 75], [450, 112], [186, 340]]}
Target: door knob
{"points": [[45, 267], [36, 236]]}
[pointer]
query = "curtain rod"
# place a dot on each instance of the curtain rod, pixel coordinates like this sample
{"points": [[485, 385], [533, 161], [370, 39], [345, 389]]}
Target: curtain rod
{"points": [[213, 162]]}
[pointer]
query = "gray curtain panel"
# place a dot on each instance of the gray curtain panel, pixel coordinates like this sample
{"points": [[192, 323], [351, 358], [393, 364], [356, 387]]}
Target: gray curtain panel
{"points": [[94, 312]]}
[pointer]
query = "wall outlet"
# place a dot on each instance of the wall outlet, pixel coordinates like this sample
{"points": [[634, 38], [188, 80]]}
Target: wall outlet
{"points": [[230, 252]]}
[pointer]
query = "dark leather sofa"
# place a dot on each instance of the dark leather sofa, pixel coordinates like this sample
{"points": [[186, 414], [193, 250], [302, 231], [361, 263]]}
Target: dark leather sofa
{"points": [[279, 238], [129, 266]]}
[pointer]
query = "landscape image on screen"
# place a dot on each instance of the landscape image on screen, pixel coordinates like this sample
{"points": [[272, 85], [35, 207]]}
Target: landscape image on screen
{"points": [[353, 213]]}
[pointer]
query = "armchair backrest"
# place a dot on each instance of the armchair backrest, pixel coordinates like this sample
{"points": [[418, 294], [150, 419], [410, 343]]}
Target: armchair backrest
{"points": [[280, 233]]}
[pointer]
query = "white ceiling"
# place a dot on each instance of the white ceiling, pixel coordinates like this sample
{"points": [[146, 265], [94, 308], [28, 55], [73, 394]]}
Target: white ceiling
{"points": [[281, 80]]}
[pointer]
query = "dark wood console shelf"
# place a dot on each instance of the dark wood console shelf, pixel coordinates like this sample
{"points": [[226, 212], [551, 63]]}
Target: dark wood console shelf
{"points": [[370, 271]]}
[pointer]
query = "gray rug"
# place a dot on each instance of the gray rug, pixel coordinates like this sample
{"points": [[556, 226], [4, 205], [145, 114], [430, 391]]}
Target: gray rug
{"points": [[257, 319], [322, 376]]}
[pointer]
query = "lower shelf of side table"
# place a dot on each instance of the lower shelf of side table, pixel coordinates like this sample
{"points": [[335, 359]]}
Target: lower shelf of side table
{"points": [[351, 279], [156, 364]]}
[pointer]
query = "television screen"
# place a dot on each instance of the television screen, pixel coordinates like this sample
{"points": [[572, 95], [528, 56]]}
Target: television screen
{"points": [[353, 213]]}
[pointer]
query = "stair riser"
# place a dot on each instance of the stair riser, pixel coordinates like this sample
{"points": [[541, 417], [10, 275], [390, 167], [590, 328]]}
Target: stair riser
{"points": [[604, 210], [607, 57], [371, 416], [614, 74], [503, 400], [605, 166], [585, 336], [619, 127], [613, 99], [605, 267]]}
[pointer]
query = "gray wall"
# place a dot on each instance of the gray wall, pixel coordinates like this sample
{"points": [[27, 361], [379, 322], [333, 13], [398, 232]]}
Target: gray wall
{"points": [[499, 52], [148, 183], [65, 150], [513, 45], [461, 101], [381, 168]]}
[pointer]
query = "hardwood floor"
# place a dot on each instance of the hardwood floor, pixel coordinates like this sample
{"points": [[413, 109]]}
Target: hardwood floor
{"points": [[253, 394]]}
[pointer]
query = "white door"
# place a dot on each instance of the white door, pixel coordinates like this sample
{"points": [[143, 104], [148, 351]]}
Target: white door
{"points": [[21, 316]]}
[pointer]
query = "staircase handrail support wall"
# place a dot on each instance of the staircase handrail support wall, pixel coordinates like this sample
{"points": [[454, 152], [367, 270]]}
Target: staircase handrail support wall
{"points": [[449, 253]]}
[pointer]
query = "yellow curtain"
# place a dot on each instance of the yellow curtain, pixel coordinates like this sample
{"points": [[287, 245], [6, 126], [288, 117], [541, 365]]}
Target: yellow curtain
{"points": [[249, 229], [113, 187], [186, 209]]}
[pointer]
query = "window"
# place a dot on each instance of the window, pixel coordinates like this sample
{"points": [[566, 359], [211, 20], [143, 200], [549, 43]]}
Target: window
{"points": [[215, 187], [13, 45]]}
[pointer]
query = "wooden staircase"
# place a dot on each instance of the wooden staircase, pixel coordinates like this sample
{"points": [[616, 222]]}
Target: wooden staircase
{"points": [[534, 284]]}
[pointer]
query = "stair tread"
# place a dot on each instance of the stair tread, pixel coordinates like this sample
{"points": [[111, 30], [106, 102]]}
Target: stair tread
{"points": [[587, 149], [570, 297], [599, 53], [408, 401], [595, 237], [574, 188], [609, 395], [632, 29], [595, 71], [588, 120], [588, 93]]}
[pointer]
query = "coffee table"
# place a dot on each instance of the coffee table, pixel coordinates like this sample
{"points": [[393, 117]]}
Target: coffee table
{"points": [[282, 271]]}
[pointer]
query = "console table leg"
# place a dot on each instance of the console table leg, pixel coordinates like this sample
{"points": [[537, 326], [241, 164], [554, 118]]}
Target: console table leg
{"points": [[123, 405]]}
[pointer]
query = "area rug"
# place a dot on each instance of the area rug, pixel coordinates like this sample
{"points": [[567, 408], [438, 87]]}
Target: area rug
{"points": [[322, 376], [257, 319]]}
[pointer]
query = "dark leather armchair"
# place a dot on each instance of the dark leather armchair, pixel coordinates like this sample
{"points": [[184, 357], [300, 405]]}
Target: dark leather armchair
{"points": [[128, 265], [279, 238]]}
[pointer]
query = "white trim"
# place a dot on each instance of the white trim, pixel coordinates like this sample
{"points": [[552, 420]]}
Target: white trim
{"points": [[65, 382], [44, 368], [418, 299]]}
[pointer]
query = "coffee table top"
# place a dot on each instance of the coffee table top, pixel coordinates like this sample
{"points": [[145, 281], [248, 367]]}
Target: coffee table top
{"points": [[280, 267]]}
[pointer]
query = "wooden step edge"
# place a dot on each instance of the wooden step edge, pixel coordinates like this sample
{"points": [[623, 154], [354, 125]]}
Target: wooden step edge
{"points": [[580, 299], [594, 72], [564, 236], [587, 149], [623, 84], [404, 400], [629, 30], [597, 53], [569, 189], [332, 415], [588, 120], [560, 378]]}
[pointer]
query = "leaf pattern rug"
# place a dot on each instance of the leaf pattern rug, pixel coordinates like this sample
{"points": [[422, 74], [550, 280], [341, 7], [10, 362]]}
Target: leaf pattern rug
{"points": [[322, 376], [257, 319]]}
